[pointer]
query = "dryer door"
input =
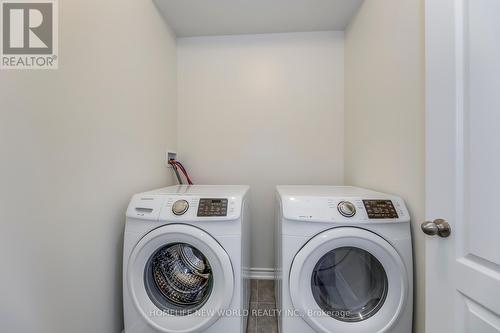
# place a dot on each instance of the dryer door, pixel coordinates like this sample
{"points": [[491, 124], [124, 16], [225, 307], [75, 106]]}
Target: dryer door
{"points": [[356, 282], [180, 279]]}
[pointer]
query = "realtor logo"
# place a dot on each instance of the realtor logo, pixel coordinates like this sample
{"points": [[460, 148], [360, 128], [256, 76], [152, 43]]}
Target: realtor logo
{"points": [[29, 34]]}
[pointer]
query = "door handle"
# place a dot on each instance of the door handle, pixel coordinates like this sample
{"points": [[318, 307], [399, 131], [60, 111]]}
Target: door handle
{"points": [[437, 227]]}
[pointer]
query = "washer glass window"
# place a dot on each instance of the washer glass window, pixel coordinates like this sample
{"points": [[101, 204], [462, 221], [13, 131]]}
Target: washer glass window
{"points": [[349, 284], [178, 279]]}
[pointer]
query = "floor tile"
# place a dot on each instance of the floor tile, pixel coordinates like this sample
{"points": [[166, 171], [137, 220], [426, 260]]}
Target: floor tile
{"points": [[265, 291], [263, 313], [252, 323], [254, 284]]}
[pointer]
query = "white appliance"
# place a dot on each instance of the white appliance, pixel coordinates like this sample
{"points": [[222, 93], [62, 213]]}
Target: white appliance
{"points": [[344, 261], [186, 260]]}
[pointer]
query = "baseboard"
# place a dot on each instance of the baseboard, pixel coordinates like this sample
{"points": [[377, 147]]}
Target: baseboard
{"points": [[261, 273]]}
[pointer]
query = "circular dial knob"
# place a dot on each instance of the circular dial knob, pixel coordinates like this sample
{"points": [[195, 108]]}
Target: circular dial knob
{"points": [[346, 208], [180, 207]]}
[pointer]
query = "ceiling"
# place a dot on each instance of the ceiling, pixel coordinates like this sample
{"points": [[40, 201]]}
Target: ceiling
{"points": [[233, 17]]}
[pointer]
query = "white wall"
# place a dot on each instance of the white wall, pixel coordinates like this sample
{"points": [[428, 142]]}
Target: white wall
{"points": [[384, 99], [262, 110], [75, 143]]}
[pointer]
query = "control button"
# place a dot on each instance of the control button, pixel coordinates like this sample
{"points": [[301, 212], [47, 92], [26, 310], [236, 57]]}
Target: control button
{"points": [[180, 207], [346, 208]]}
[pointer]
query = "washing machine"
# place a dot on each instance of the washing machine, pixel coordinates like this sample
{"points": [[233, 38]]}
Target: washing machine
{"points": [[344, 261], [186, 260]]}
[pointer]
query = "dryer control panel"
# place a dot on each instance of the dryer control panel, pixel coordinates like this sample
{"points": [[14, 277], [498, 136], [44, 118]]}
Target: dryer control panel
{"points": [[369, 209], [380, 209]]}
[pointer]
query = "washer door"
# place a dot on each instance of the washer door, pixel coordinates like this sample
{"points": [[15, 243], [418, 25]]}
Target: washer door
{"points": [[356, 282], [180, 279]]}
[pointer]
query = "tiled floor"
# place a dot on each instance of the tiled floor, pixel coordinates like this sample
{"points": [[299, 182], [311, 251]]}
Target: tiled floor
{"points": [[262, 308]]}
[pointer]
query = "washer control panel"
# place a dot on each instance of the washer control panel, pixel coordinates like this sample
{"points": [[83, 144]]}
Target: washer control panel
{"points": [[201, 208], [212, 207], [212, 204], [380, 209]]}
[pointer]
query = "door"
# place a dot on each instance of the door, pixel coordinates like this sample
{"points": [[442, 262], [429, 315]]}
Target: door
{"points": [[357, 282], [180, 279], [463, 165]]}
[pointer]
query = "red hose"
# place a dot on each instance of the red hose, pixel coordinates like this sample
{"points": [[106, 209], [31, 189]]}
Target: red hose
{"points": [[190, 182]]}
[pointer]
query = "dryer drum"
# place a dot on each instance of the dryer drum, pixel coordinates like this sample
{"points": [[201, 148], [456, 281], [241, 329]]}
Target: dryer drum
{"points": [[182, 274], [349, 284]]}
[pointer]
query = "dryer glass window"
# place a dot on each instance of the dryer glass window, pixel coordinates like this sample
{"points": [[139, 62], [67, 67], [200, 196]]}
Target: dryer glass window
{"points": [[178, 279], [349, 284]]}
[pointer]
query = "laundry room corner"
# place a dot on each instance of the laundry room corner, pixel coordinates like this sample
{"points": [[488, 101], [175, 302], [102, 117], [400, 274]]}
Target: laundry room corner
{"points": [[249, 166]]}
